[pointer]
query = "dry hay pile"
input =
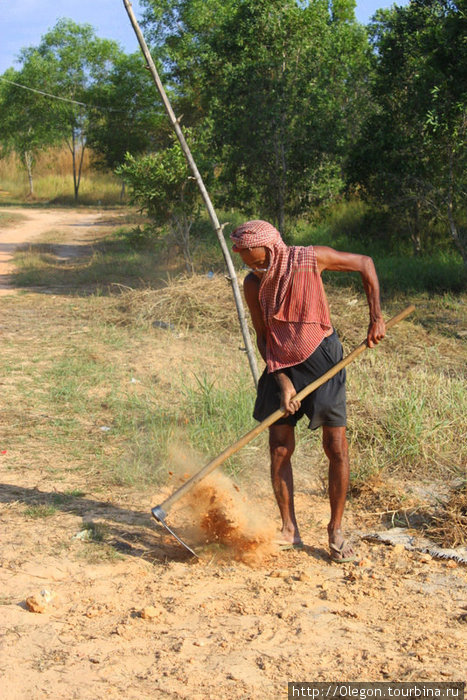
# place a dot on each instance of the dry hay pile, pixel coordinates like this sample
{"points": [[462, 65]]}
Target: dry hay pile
{"points": [[199, 302], [448, 526], [380, 495], [445, 525]]}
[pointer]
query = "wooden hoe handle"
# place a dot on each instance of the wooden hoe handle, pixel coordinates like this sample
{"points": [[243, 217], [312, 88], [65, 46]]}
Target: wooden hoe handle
{"points": [[248, 437]]}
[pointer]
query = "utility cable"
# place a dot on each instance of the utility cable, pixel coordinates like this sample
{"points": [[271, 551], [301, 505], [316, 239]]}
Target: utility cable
{"points": [[56, 97]]}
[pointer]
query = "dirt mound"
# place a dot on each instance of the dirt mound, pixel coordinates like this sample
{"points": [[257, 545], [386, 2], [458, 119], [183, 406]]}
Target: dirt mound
{"points": [[228, 518]]}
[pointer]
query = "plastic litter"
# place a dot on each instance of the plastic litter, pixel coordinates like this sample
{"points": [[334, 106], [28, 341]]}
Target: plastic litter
{"points": [[163, 324]]}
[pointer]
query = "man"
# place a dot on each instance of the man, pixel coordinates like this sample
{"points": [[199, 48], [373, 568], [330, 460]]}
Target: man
{"points": [[295, 337]]}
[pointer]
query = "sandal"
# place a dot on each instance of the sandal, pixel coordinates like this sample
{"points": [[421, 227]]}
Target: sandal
{"points": [[336, 553], [283, 545]]}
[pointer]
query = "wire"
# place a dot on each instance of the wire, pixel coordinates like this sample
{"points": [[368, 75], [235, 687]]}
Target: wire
{"points": [[64, 99]]}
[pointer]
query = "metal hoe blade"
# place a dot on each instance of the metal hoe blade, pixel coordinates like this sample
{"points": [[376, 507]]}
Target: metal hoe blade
{"points": [[159, 516]]}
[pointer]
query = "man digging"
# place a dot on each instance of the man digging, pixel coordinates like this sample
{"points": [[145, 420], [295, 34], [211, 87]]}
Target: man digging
{"points": [[295, 337]]}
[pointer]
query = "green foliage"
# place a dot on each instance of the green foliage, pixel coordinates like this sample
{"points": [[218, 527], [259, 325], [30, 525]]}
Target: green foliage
{"points": [[129, 119], [412, 154], [159, 183], [284, 106], [161, 186], [69, 61], [358, 228], [279, 106], [27, 124]]}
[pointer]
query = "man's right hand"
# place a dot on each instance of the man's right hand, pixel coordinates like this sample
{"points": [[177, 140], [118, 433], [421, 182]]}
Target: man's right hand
{"points": [[288, 401]]}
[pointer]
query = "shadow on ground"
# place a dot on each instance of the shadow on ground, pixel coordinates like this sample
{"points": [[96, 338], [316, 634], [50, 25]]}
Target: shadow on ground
{"points": [[129, 532], [81, 269]]}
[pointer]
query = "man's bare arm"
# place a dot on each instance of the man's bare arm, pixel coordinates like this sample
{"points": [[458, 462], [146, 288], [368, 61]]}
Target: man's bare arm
{"points": [[330, 259], [251, 286]]}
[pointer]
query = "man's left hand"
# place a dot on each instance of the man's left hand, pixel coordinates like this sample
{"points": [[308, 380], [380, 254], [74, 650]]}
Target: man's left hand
{"points": [[376, 332]]}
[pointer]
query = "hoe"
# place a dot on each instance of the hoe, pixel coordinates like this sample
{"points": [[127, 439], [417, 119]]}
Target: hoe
{"points": [[159, 512]]}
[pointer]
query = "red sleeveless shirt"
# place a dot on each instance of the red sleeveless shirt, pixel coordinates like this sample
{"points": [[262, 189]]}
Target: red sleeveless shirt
{"points": [[291, 296]]}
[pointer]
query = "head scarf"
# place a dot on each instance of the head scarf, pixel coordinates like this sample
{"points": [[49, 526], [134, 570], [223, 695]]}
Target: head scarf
{"points": [[257, 234], [286, 292]]}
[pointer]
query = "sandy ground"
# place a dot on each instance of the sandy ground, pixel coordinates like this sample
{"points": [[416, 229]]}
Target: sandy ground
{"points": [[136, 617], [74, 225]]}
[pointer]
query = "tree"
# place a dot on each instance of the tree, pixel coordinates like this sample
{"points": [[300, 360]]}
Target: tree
{"points": [[160, 184], [129, 119], [279, 83], [74, 60], [25, 123], [412, 154]]}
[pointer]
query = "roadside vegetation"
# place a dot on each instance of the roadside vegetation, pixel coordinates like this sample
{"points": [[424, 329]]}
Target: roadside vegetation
{"points": [[113, 377], [54, 181], [133, 346]]}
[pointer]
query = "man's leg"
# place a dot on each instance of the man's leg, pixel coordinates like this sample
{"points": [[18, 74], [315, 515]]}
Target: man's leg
{"points": [[282, 445], [336, 449]]}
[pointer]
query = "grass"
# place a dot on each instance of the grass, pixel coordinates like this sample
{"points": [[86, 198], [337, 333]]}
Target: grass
{"points": [[355, 227], [96, 546], [53, 181], [95, 368], [408, 427], [97, 532], [436, 274], [448, 523], [109, 262], [99, 390], [218, 415], [67, 497], [42, 510], [9, 219]]}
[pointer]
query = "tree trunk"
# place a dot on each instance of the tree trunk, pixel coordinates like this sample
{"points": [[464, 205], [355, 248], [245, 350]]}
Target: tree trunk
{"points": [[123, 191], [73, 158], [80, 167], [415, 234], [28, 162], [460, 241], [76, 167], [181, 227]]}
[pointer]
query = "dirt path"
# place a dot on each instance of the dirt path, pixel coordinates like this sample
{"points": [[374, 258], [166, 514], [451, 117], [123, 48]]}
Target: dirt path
{"points": [[133, 617], [143, 621], [76, 225]]}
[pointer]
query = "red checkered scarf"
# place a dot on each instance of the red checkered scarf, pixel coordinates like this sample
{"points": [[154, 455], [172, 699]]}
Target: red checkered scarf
{"points": [[285, 288]]}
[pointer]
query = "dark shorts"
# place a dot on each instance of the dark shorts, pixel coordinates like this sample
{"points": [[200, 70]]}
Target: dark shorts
{"points": [[325, 405]]}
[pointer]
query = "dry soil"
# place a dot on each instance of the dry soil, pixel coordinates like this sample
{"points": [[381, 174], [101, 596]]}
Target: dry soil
{"points": [[141, 619]]}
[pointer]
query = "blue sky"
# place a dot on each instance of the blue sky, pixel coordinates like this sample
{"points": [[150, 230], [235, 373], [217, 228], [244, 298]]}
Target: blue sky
{"points": [[24, 22]]}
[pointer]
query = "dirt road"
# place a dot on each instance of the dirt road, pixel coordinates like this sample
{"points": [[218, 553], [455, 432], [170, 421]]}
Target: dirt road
{"points": [[138, 619], [70, 223]]}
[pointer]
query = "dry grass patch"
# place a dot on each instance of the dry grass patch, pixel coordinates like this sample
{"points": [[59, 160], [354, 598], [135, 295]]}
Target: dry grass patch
{"points": [[448, 526], [382, 495], [157, 365], [199, 303]]}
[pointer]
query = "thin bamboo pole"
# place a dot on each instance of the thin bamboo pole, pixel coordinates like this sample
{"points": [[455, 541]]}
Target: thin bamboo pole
{"points": [[204, 193]]}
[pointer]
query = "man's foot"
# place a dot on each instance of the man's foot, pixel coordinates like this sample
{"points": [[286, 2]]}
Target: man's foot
{"points": [[284, 544], [341, 551], [289, 539]]}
